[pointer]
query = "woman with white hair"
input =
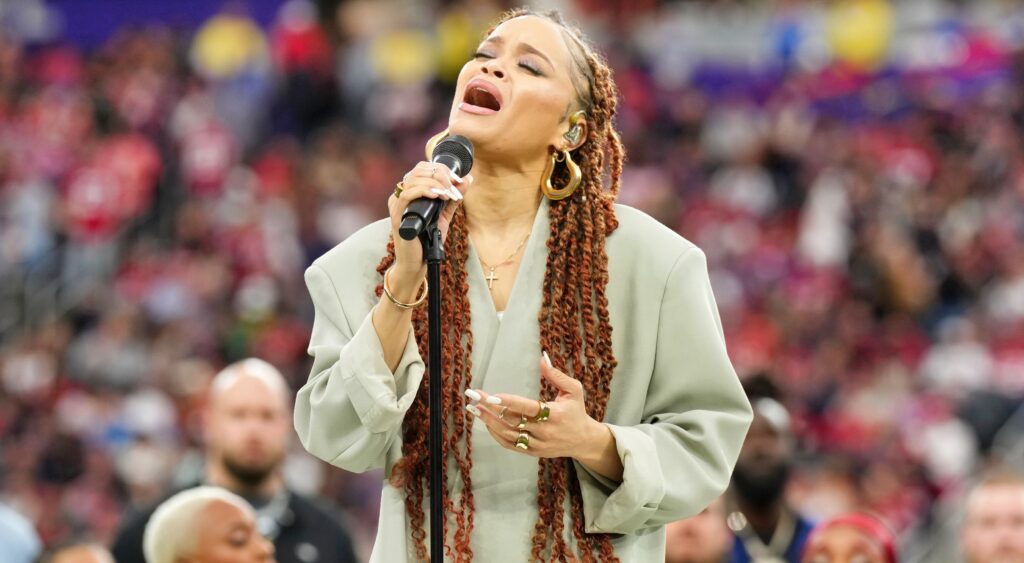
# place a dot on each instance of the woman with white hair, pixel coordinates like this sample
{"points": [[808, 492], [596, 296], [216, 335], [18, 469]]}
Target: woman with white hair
{"points": [[205, 525]]}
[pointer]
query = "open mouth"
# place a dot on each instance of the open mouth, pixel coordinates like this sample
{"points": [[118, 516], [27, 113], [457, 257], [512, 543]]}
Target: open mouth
{"points": [[481, 97]]}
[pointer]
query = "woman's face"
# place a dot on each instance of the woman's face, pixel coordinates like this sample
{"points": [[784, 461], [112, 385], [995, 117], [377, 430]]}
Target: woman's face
{"points": [[513, 96], [227, 534], [843, 544]]}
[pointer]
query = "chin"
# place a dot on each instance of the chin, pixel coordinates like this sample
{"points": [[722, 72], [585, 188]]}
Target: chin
{"points": [[250, 470], [471, 127]]}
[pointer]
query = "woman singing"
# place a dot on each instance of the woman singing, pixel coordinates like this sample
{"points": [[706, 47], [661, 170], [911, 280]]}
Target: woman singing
{"points": [[637, 418]]}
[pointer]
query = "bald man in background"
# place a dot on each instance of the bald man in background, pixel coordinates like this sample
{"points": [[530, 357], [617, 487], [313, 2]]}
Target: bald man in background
{"points": [[247, 427], [993, 526]]}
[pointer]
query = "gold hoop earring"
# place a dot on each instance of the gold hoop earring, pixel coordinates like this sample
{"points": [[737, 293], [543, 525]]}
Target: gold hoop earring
{"points": [[433, 141], [575, 176]]}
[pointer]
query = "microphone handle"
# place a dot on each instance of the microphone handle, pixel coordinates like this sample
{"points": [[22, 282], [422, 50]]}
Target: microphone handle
{"points": [[424, 211]]}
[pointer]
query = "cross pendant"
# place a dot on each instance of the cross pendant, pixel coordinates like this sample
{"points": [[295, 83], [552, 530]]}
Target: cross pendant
{"points": [[490, 279]]}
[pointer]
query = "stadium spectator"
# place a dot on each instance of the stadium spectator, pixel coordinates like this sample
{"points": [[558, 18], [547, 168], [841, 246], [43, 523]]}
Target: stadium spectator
{"points": [[765, 525], [205, 525], [851, 538], [247, 429], [993, 525], [703, 538], [77, 552], [18, 541]]}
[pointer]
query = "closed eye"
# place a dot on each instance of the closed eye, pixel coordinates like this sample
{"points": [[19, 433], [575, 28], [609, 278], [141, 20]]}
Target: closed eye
{"points": [[239, 536], [524, 64], [531, 68]]}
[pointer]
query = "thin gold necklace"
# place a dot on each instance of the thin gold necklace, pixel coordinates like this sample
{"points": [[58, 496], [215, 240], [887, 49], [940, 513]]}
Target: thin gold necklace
{"points": [[490, 277]]}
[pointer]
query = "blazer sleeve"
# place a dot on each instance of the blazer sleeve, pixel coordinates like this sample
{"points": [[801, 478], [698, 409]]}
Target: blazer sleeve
{"points": [[349, 413], [696, 416]]}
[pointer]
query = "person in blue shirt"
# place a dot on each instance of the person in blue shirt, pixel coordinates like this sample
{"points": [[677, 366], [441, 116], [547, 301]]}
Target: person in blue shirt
{"points": [[18, 539], [766, 528]]}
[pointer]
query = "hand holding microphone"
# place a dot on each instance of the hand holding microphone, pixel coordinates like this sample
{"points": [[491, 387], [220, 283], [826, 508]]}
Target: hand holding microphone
{"points": [[456, 153], [431, 190]]}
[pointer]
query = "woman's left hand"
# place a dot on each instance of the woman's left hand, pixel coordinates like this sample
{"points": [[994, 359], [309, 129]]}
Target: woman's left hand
{"points": [[568, 431]]}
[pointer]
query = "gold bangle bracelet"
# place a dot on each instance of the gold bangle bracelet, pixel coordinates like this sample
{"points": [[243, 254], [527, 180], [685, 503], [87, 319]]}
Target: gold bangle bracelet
{"points": [[399, 304]]}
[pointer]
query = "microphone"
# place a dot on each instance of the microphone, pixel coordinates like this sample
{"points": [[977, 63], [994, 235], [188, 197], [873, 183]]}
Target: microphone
{"points": [[455, 152]]}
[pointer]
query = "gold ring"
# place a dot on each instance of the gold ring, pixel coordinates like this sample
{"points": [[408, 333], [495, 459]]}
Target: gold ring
{"points": [[522, 423], [543, 412], [523, 441], [501, 413], [398, 188]]}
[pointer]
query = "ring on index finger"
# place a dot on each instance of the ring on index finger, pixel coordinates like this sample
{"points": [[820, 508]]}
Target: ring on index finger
{"points": [[398, 188], [501, 413]]}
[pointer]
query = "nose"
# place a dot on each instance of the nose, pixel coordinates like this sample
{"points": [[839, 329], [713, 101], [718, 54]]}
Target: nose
{"points": [[265, 550], [490, 68]]}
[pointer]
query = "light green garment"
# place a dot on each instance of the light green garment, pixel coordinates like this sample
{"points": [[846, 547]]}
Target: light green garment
{"points": [[676, 408]]}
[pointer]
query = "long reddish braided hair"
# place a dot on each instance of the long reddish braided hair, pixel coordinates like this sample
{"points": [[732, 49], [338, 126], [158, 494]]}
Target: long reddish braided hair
{"points": [[574, 329]]}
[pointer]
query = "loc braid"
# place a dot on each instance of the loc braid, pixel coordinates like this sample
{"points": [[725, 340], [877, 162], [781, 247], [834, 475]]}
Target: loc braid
{"points": [[575, 320]]}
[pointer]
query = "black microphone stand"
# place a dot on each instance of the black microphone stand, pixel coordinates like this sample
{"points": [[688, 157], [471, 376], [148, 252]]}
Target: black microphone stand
{"points": [[456, 153], [433, 252]]}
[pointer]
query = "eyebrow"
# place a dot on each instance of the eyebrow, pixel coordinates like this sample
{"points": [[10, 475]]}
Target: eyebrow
{"points": [[522, 47]]}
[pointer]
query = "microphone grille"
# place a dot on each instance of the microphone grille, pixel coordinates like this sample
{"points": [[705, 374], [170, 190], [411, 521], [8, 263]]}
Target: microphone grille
{"points": [[459, 147]]}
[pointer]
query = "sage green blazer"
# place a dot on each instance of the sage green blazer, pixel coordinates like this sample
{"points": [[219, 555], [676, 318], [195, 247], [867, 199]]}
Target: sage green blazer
{"points": [[677, 410]]}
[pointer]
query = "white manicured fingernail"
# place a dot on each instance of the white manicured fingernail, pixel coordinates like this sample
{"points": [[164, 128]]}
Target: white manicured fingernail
{"points": [[454, 176], [547, 359], [456, 194], [439, 191], [473, 395], [493, 400], [473, 410]]}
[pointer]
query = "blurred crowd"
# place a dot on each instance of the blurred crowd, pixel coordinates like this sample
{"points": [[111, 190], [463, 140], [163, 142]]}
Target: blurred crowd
{"points": [[163, 193]]}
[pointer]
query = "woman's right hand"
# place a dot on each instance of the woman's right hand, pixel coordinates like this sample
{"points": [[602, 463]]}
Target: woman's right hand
{"points": [[431, 180]]}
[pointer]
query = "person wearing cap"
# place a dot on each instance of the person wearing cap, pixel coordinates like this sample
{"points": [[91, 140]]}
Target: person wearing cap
{"points": [[767, 529], [856, 537]]}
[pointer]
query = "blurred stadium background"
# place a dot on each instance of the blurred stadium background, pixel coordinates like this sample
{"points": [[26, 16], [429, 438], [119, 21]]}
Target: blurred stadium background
{"points": [[853, 169]]}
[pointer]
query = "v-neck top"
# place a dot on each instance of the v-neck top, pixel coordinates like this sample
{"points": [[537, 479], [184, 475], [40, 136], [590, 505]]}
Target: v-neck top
{"points": [[676, 408]]}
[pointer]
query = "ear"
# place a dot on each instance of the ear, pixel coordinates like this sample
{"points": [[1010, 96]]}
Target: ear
{"points": [[576, 134]]}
